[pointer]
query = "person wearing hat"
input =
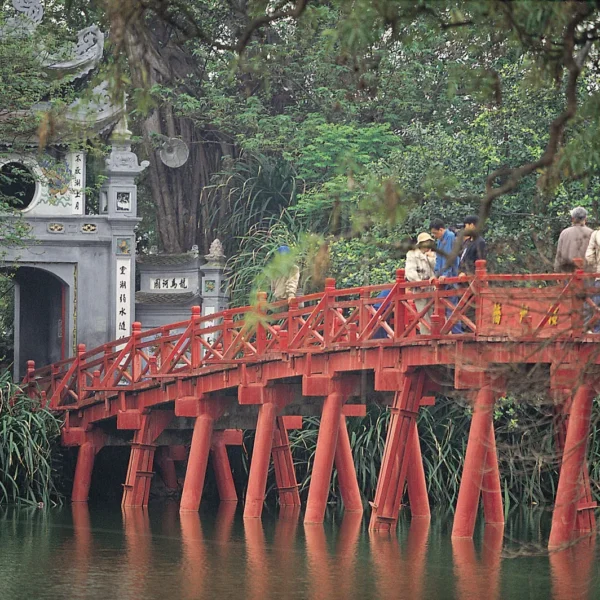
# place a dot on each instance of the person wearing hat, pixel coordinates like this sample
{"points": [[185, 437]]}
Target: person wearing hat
{"points": [[420, 266], [284, 284], [573, 242]]}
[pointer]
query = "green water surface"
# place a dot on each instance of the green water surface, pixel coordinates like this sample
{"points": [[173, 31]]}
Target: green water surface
{"points": [[100, 553]]}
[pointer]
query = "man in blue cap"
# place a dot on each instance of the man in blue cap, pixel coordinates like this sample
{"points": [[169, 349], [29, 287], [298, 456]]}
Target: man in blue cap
{"points": [[285, 284]]}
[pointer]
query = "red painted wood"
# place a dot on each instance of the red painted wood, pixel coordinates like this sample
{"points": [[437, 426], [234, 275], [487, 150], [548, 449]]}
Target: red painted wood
{"points": [[346, 471], [565, 509], [475, 462], [324, 456]]}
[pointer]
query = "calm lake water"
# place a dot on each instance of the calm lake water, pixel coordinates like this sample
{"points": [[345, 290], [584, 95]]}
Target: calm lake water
{"points": [[99, 553]]}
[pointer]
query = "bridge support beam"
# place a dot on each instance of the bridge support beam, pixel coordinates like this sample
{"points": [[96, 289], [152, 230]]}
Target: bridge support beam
{"points": [[166, 466], [344, 463], [324, 457], [222, 468], [136, 489], [398, 454], [415, 479], [90, 443], [197, 463], [585, 520], [572, 468], [259, 465], [480, 472], [285, 474]]}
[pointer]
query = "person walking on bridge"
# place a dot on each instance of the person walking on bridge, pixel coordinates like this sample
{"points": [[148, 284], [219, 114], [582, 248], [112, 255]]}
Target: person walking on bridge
{"points": [[420, 266], [573, 242], [474, 246], [444, 267], [286, 275]]}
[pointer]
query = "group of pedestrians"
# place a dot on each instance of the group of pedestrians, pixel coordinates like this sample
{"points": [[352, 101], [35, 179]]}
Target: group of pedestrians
{"points": [[435, 256]]}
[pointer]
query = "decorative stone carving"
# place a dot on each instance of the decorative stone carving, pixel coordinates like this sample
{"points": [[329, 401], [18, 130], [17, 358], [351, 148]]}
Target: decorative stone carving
{"points": [[99, 111], [216, 255], [84, 56], [89, 228], [56, 228], [121, 158], [32, 9]]}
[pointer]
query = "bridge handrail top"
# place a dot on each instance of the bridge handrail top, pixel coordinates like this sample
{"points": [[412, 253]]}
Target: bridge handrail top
{"points": [[92, 357]]}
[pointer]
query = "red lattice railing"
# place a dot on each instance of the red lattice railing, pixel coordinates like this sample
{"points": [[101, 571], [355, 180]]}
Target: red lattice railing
{"points": [[513, 307]]}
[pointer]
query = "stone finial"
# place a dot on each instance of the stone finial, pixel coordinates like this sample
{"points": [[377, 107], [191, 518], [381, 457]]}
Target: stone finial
{"points": [[216, 250], [121, 131], [216, 255]]}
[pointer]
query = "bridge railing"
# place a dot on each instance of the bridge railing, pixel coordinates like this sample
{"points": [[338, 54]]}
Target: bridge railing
{"points": [[520, 307]]}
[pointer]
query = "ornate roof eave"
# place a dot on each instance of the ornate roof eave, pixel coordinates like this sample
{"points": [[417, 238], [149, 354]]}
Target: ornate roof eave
{"points": [[86, 56]]}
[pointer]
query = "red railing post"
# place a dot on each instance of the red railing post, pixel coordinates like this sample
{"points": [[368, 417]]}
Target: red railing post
{"points": [[29, 378], [261, 316], [480, 282], [364, 315], [136, 359], [399, 308], [195, 344], [293, 324], [54, 370], [328, 321], [227, 325], [577, 293], [283, 338], [80, 378]]}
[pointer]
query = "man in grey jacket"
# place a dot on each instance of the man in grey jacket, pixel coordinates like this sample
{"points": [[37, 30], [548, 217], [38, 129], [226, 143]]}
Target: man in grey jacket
{"points": [[573, 241]]}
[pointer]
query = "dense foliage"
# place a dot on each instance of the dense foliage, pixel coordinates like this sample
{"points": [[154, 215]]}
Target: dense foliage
{"points": [[28, 436]]}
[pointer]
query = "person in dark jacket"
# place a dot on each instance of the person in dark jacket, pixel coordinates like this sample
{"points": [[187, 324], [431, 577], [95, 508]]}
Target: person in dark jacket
{"points": [[474, 247]]}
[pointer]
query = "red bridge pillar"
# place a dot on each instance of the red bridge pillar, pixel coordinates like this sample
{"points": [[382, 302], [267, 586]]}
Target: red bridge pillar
{"points": [[344, 463], [270, 438], [324, 456], [92, 442], [480, 472], [332, 445], [571, 480], [148, 425], [221, 465], [206, 410], [401, 455]]}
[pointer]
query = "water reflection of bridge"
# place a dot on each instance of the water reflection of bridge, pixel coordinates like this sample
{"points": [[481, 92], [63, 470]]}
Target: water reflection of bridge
{"points": [[255, 367], [311, 562]]}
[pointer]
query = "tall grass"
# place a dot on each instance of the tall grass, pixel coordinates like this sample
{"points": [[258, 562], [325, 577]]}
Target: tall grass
{"points": [[28, 435]]}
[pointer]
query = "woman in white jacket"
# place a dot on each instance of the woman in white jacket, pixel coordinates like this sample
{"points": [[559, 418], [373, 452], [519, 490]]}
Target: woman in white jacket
{"points": [[420, 266]]}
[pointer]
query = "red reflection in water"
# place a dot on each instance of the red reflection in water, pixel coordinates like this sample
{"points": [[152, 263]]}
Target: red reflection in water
{"points": [[82, 544], [332, 577], [399, 574], [257, 567], [478, 579], [346, 549], [572, 570], [317, 556], [194, 569], [138, 548]]}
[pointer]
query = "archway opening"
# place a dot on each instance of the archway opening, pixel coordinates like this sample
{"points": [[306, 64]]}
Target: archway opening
{"points": [[40, 318]]}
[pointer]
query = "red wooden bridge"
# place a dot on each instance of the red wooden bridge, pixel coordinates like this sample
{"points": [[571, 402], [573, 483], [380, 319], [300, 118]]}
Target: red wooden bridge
{"points": [[265, 366]]}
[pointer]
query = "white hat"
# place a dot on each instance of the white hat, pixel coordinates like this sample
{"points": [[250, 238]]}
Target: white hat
{"points": [[424, 237]]}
